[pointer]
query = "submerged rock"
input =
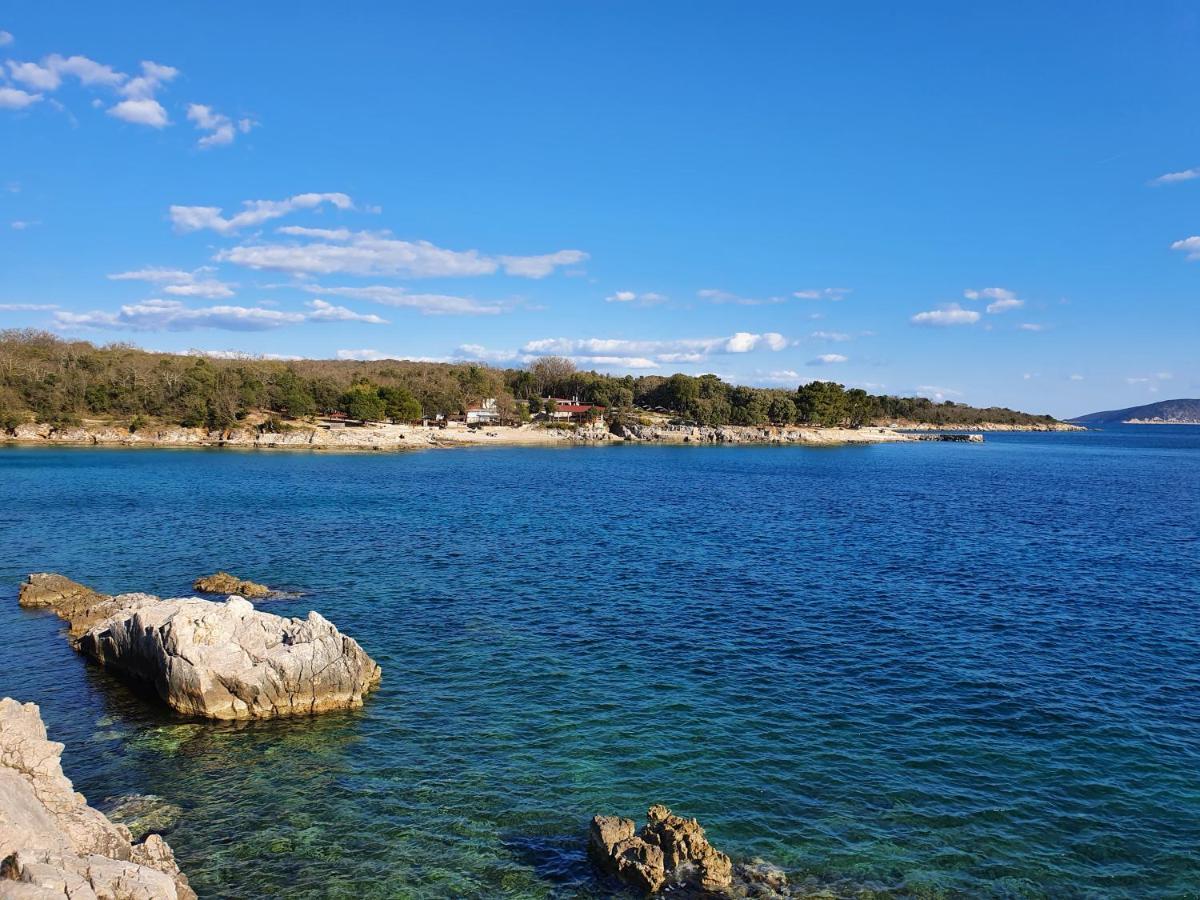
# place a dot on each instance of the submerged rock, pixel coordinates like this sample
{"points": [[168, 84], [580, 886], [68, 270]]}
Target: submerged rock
{"points": [[217, 660], [224, 583], [669, 851], [52, 844], [143, 814]]}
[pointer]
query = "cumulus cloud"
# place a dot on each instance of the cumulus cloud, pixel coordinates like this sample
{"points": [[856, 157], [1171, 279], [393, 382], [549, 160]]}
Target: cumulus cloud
{"points": [[644, 352], [327, 312], [143, 111], [6, 38], [173, 315], [221, 130], [485, 354], [429, 304], [834, 294], [1002, 298], [1175, 177], [180, 283], [366, 253], [197, 218], [649, 298], [14, 98], [139, 105], [828, 359], [1189, 246], [541, 266], [937, 393], [951, 314]]}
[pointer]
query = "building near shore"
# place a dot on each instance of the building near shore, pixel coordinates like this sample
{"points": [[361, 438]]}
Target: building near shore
{"points": [[485, 412]]}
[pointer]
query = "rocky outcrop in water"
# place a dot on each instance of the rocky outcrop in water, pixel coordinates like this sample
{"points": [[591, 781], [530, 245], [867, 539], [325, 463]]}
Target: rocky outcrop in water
{"points": [[216, 660], [669, 851], [52, 844], [143, 814], [672, 855], [224, 583]]}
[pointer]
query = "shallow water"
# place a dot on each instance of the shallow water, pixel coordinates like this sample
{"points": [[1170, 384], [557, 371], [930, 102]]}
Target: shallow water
{"points": [[934, 670]]}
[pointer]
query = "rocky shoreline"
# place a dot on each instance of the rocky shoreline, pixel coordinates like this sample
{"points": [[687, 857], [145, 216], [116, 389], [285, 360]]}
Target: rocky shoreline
{"points": [[381, 437], [53, 844]]}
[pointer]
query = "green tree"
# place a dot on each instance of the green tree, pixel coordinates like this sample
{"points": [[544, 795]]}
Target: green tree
{"points": [[781, 410], [399, 404], [363, 402]]}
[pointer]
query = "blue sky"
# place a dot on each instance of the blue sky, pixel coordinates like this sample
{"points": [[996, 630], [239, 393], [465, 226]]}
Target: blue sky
{"points": [[948, 199]]}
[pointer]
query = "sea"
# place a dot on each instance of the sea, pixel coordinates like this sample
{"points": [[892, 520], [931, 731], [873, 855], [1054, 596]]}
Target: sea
{"points": [[910, 670]]}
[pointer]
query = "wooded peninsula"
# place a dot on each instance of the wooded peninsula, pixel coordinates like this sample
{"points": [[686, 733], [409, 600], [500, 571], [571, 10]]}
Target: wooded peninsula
{"points": [[47, 379]]}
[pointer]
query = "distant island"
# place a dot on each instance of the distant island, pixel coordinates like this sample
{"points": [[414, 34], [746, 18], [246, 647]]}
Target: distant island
{"points": [[64, 391], [1164, 412]]}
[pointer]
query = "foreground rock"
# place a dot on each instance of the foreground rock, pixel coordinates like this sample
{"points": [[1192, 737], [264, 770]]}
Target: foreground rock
{"points": [[224, 583], [217, 660], [668, 851], [52, 844]]}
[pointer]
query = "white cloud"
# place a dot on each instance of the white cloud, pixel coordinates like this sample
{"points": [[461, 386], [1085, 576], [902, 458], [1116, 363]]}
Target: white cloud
{"points": [[146, 85], [834, 294], [1002, 298], [617, 362], [6, 38], [686, 350], [172, 315], [951, 314], [430, 304], [1174, 177], [27, 307], [327, 312], [484, 354], [715, 295], [144, 111], [369, 253], [13, 98], [364, 355], [329, 234], [210, 289], [831, 336], [30, 74], [938, 393], [1190, 246], [1076, 378], [1031, 326], [221, 129], [179, 283], [196, 218], [541, 266], [21, 224], [828, 359], [649, 298], [372, 355]]}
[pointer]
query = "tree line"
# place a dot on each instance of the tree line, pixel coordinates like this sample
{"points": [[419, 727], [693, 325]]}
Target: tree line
{"points": [[46, 378]]}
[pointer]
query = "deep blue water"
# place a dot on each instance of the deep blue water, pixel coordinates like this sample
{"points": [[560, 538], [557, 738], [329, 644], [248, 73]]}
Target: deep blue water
{"points": [[927, 669]]}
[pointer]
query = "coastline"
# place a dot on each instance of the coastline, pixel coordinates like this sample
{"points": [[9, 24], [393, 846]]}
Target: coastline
{"points": [[396, 438]]}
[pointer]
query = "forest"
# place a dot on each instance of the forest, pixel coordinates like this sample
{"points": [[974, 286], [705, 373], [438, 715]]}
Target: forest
{"points": [[46, 378]]}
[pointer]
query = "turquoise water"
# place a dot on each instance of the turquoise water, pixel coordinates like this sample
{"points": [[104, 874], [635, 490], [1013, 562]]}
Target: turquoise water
{"points": [[932, 670]]}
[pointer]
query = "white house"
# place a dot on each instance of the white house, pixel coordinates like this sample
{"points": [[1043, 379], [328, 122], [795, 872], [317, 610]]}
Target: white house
{"points": [[483, 413]]}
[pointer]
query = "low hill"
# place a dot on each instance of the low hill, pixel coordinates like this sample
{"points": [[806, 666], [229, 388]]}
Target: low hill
{"points": [[1178, 412]]}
